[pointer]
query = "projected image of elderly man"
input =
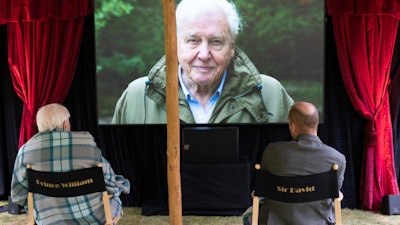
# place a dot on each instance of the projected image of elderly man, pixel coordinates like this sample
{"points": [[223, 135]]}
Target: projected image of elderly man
{"points": [[218, 83], [58, 149]]}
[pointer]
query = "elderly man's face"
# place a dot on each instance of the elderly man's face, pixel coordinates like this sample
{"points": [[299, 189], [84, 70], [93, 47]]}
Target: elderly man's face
{"points": [[205, 48]]}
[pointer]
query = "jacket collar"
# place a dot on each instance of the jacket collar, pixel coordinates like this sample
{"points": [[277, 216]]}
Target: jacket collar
{"points": [[308, 137]]}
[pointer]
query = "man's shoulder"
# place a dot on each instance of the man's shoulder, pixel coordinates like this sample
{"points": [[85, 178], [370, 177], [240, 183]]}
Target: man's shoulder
{"points": [[331, 150], [269, 81], [331, 154], [82, 137], [138, 83], [82, 134], [317, 144], [279, 147], [279, 143], [134, 88]]}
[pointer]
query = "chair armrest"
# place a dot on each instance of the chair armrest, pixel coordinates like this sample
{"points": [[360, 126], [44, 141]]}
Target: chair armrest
{"points": [[341, 196], [252, 194]]}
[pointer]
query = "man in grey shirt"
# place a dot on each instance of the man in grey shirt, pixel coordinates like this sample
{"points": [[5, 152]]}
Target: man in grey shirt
{"points": [[306, 154]]}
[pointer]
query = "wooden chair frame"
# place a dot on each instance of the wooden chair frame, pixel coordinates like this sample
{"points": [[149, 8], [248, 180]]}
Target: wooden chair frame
{"points": [[261, 184], [94, 173]]}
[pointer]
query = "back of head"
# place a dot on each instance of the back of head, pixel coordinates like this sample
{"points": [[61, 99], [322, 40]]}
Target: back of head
{"points": [[188, 10], [305, 116], [51, 116]]}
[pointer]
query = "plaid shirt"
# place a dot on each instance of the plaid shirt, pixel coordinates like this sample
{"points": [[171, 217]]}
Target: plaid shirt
{"points": [[61, 151]]}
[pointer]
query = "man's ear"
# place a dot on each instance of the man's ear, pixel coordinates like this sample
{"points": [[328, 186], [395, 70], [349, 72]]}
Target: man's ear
{"points": [[66, 125], [293, 128], [233, 48], [291, 125]]}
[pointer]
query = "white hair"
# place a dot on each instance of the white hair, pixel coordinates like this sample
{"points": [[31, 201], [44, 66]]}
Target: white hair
{"points": [[191, 8], [51, 116]]}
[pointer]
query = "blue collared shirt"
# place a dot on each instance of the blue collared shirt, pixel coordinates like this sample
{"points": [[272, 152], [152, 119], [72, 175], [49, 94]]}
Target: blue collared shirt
{"points": [[200, 114]]}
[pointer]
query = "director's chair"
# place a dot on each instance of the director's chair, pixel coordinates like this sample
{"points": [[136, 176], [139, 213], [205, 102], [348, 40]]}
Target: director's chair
{"points": [[64, 184], [308, 188]]}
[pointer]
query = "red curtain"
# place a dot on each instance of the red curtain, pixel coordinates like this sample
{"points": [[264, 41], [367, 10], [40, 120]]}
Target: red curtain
{"points": [[43, 46], [365, 33]]}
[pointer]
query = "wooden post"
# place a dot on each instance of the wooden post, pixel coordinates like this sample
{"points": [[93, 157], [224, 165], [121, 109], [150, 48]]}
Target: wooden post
{"points": [[173, 126]]}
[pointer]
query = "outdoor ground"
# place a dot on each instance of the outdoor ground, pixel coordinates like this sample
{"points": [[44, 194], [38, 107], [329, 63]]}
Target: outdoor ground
{"points": [[132, 216]]}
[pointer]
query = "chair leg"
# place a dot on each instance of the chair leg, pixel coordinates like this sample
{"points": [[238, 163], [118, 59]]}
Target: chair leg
{"points": [[107, 211], [338, 212], [31, 219], [256, 205]]}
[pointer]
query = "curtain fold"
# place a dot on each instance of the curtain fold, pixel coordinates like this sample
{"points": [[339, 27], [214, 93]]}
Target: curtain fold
{"points": [[394, 93], [43, 47], [41, 10], [365, 34], [366, 7]]}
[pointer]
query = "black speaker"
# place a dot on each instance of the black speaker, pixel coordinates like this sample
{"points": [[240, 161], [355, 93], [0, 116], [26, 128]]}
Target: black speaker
{"points": [[391, 205], [14, 208]]}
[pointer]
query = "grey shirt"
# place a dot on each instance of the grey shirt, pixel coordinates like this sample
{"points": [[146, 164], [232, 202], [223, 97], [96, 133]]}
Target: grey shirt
{"points": [[303, 156]]}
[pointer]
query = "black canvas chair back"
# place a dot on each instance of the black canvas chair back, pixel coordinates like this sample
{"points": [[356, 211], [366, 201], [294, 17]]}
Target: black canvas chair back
{"points": [[67, 184], [296, 189]]}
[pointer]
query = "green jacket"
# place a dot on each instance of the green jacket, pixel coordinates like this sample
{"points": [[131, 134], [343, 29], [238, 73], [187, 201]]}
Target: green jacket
{"points": [[247, 97]]}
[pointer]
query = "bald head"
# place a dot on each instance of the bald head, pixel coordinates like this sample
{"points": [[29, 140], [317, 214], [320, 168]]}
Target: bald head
{"points": [[303, 119]]}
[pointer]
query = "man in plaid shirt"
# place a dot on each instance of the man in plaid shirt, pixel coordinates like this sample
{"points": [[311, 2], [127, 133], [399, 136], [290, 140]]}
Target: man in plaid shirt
{"points": [[55, 148]]}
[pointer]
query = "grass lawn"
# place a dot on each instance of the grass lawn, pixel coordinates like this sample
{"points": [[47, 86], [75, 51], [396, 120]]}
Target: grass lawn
{"points": [[132, 216]]}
